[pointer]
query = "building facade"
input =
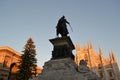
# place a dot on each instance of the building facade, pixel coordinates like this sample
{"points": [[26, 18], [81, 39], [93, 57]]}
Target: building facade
{"points": [[9, 59], [8, 56], [106, 69]]}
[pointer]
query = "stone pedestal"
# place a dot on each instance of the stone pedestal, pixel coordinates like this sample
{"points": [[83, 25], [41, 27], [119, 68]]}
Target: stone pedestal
{"points": [[60, 69], [61, 66], [62, 48]]}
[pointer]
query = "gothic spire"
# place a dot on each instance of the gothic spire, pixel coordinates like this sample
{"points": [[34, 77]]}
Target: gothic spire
{"points": [[90, 45], [112, 57], [101, 55], [84, 48], [78, 47], [100, 51]]}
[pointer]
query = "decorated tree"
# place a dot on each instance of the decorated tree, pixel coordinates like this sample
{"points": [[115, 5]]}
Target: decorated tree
{"points": [[28, 62]]}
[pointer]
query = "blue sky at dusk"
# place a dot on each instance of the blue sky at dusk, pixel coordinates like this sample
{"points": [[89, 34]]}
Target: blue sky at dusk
{"points": [[97, 21]]}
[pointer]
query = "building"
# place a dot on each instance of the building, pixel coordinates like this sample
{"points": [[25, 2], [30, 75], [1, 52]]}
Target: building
{"points": [[9, 59], [106, 69], [8, 56]]}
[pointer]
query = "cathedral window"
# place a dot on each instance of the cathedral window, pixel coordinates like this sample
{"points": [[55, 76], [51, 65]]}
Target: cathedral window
{"points": [[101, 74], [99, 66], [110, 74]]}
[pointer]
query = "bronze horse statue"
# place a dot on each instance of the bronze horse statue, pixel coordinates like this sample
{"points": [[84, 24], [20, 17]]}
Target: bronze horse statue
{"points": [[62, 27]]}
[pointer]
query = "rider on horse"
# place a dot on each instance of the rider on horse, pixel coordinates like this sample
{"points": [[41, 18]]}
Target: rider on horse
{"points": [[62, 27]]}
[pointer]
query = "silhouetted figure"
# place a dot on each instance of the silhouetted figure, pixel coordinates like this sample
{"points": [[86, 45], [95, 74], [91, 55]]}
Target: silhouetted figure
{"points": [[62, 27], [83, 66], [83, 62]]}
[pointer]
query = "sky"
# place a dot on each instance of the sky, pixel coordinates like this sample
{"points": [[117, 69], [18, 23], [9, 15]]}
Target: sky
{"points": [[97, 21]]}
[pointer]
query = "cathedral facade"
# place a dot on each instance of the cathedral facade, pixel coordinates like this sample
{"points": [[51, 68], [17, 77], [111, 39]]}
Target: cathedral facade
{"points": [[106, 69]]}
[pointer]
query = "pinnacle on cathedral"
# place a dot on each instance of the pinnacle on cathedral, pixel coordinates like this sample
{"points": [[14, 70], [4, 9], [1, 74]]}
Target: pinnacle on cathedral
{"points": [[78, 47], [112, 57], [90, 45]]}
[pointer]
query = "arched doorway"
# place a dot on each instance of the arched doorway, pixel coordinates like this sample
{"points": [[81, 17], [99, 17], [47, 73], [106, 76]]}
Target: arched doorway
{"points": [[11, 70]]}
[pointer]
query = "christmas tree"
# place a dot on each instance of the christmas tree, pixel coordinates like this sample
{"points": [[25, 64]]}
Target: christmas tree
{"points": [[28, 62]]}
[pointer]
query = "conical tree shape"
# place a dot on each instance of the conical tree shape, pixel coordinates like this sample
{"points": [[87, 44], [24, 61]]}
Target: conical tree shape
{"points": [[28, 62]]}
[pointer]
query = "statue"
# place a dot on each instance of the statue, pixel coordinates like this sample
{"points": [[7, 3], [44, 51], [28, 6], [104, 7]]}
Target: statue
{"points": [[62, 27], [83, 62], [83, 66], [85, 71]]}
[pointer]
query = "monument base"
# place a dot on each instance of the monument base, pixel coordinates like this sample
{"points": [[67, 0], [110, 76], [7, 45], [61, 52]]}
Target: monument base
{"points": [[60, 69], [62, 47]]}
